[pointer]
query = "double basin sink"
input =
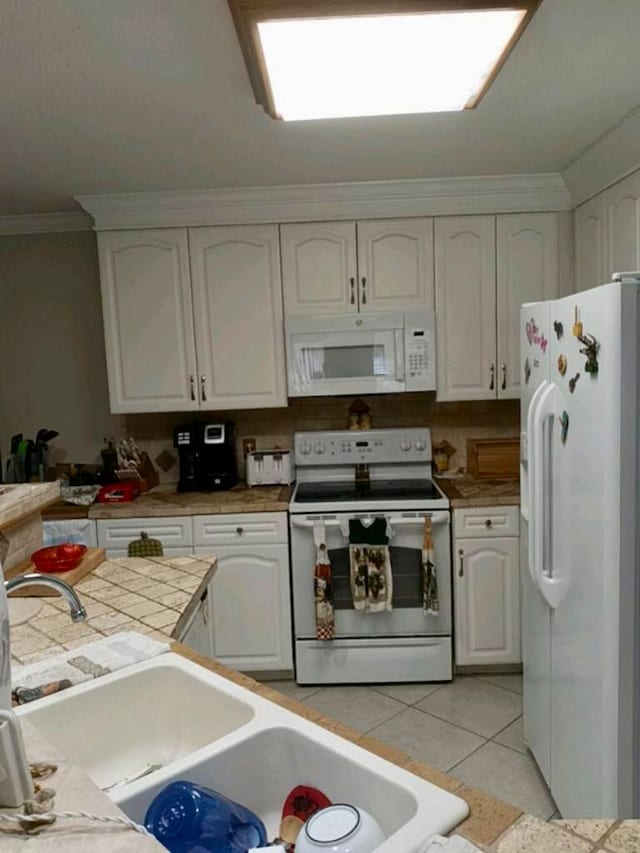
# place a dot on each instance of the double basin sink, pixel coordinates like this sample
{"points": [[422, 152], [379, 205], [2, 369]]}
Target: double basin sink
{"points": [[136, 730]]}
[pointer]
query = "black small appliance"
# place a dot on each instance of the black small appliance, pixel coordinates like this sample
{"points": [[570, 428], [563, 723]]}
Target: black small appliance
{"points": [[207, 457]]}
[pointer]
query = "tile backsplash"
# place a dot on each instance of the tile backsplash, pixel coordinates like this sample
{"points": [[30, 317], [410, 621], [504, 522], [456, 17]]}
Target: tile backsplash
{"points": [[271, 428]]}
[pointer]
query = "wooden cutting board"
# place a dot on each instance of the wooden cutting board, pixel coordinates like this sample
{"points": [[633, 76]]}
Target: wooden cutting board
{"points": [[493, 458], [90, 561]]}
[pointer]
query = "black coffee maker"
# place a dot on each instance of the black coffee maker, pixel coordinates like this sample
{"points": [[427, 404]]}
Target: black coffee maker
{"points": [[207, 457]]}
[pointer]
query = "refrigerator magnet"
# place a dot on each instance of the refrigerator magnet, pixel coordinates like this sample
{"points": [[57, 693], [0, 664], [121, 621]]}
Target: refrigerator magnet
{"points": [[590, 349], [573, 382], [558, 328], [577, 325], [564, 427], [527, 371], [562, 364]]}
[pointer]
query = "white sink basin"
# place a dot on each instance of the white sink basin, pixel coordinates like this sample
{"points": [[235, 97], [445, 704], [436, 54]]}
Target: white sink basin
{"points": [[119, 726], [203, 728]]}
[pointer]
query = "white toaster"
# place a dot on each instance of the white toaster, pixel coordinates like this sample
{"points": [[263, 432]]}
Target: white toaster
{"points": [[269, 468]]}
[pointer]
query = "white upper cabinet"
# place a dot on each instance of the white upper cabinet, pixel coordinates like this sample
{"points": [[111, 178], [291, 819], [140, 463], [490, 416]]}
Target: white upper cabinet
{"points": [[527, 251], [622, 205], [465, 251], [148, 320], [395, 265], [319, 267], [369, 266], [590, 244], [238, 316], [154, 282]]}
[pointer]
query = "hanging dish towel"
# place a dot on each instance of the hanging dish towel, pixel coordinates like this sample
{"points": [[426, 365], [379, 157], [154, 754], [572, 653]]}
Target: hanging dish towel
{"points": [[322, 588], [370, 564], [430, 601]]}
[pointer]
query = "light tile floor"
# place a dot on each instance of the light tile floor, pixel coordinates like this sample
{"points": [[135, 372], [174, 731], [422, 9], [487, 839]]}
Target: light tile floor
{"points": [[470, 728]]}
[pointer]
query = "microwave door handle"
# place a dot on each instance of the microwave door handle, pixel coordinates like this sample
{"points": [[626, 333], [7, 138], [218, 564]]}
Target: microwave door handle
{"points": [[399, 354]]}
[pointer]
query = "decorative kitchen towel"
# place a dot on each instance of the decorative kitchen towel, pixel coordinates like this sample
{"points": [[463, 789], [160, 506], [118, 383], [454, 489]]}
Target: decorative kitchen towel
{"points": [[370, 564], [430, 601], [82, 664], [322, 588]]}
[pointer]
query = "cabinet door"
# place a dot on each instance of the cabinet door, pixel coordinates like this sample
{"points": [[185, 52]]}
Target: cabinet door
{"points": [[250, 607], [238, 317], [148, 320], [319, 267], [527, 272], [622, 202], [395, 265], [487, 599], [590, 244], [198, 634], [466, 307]]}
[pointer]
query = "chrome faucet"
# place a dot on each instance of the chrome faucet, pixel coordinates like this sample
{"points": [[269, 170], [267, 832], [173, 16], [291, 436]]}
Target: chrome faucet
{"points": [[76, 610]]}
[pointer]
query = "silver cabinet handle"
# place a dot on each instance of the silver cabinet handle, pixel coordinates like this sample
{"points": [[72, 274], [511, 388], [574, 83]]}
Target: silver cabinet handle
{"points": [[192, 386], [503, 368], [203, 393], [461, 557], [352, 283], [364, 290], [492, 374]]}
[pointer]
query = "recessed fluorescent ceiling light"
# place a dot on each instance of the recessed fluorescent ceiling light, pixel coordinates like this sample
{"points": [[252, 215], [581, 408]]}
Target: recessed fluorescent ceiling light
{"points": [[383, 64]]}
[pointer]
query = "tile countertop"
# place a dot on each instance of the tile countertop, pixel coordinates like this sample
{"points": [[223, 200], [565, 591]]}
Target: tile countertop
{"points": [[152, 595], [165, 501], [467, 491], [155, 596], [20, 500]]}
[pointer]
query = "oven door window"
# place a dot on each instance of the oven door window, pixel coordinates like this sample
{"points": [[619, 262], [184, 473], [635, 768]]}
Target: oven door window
{"points": [[406, 570]]}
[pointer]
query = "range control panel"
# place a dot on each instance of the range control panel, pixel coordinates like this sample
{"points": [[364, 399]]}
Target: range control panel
{"points": [[350, 447]]}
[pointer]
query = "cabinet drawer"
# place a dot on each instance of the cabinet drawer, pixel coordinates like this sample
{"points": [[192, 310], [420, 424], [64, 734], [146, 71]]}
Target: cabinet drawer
{"points": [[483, 521], [173, 532], [260, 528]]}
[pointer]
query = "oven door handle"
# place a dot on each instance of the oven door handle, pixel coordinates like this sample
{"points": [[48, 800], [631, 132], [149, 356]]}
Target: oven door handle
{"points": [[395, 521]]}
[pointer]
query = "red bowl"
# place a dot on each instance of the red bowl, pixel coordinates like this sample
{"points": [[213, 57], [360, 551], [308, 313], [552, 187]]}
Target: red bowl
{"points": [[58, 558]]}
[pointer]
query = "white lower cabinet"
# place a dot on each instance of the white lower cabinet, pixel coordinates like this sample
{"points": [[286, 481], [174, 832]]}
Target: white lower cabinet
{"points": [[250, 607], [486, 592], [249, 596], [198, 633]]}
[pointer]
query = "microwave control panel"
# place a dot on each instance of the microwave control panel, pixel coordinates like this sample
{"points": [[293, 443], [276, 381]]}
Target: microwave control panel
{"points": [[419, 347]]}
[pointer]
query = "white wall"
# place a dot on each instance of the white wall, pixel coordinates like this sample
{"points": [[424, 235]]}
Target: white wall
{"points": [[52, 362]]}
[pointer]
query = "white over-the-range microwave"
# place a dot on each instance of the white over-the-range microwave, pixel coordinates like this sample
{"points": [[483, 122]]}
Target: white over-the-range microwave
{"points": [[360, 354]]}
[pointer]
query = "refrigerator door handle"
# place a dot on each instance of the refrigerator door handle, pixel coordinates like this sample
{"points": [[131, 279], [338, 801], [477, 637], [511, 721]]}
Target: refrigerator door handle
{"points": [[533, 472], [553, 586], [543, 412]]}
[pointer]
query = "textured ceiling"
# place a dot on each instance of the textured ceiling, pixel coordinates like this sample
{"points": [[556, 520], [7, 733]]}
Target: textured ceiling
{"points": [[130, 95]]}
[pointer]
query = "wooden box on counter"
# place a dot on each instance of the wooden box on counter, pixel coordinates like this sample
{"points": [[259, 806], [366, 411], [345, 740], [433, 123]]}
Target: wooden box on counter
{"points": [[493, 458]]}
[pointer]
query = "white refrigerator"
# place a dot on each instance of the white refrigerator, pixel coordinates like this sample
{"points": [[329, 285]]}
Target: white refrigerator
{"points": [[580, 478]]}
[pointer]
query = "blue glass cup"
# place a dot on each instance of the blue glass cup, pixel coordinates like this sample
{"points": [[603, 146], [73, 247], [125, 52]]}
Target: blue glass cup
{"points": [[189, 818]]}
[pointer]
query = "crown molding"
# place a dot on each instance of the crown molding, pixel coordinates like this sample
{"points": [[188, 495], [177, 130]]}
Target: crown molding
{"points": [[43, 223], [610, 159], [309, 202]]}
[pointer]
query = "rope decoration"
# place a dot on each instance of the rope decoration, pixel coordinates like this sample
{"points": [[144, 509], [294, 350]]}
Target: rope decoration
{"points": [[26, 822]]}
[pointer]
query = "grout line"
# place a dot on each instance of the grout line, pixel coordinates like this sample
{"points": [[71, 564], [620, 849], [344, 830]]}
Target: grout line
{"points": [[376, 687], [384, 722], [464, 728], [458, 763], [483, 679]]}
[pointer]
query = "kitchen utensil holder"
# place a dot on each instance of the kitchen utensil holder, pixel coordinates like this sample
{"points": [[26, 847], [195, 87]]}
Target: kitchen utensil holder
{"points": [[146, 475]]}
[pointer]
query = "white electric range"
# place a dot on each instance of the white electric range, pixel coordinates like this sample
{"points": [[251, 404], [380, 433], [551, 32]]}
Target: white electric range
{"points": [[404, 643]]}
